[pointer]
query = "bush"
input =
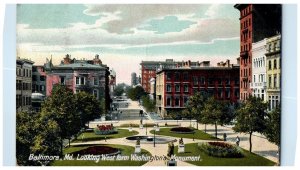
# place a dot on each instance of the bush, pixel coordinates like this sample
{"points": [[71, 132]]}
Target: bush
{"points": [[182, 130], [105, 130], [221, 149]]}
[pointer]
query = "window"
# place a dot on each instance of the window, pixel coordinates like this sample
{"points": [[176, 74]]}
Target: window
{"points": [[186, 88], [185, 77], [177, 101], [202, 80], [270, 81], [270, 65], [195, 80], [42, 78], [169, 88], [177, 87], [30, 73], [275, 81], [210, 81], [253, 78], [275, 64], [168, 101], [82, 80], [227, 93], [169, 75], [185, 99], [34, 78], [177, 77], [62, 80], [96, 81], [77, 80], [95, 93]]}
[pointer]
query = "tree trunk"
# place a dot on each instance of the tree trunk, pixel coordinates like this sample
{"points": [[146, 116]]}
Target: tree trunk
{"points": [[216, 130], [205, 127], [250, 142], [69, 142], [197, 124], [61, 146]]}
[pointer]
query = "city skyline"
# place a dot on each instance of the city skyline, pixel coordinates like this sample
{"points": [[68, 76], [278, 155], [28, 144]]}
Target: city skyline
{"points": [[123, 39]]}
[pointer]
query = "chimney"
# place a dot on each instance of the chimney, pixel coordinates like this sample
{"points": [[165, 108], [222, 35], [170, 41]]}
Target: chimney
{"points": [[67, 59], [97, 60]]}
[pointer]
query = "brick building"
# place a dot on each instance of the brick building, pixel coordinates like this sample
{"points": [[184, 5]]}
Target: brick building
{"points": [[174, 86], [38, 79], [257, 21], [149, 68], [23, 84], [80, 75]]}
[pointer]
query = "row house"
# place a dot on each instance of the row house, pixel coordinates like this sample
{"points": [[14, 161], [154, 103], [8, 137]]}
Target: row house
{"points": [[257, 22], [80, 75], [174, 86], [23, 84]]}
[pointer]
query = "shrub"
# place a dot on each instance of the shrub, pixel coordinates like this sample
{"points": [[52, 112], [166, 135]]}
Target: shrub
{"points": [[182, 130], [221, 149], [104, 130]]}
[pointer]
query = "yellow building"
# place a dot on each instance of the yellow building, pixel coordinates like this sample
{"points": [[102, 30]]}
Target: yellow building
{"points": [[273, 56]]}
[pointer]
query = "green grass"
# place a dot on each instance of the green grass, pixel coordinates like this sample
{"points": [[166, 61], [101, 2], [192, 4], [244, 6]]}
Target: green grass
{"points": [[125, 150], [250, 159], [198, 134], [91, 136]]}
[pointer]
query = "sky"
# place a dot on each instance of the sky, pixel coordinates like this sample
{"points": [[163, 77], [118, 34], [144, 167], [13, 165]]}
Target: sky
{"points": [[124, 35]]}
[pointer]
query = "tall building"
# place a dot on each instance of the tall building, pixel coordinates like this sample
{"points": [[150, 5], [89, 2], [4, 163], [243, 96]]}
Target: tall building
{"points": [[273, 70], [133, 79], [23, 84], [257, 21], [149, 68], [112, 81], [259, 81], [80, 75], [38, 79], [174, 86]]}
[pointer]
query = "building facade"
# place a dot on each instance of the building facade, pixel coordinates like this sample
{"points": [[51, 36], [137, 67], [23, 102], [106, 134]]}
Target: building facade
{"points": [[259, 81], [112, 81], [174, 86], [273, 56], [23, 84], [257, 22], [134, 79], [149, 68], [80, 75], [38, 79]]}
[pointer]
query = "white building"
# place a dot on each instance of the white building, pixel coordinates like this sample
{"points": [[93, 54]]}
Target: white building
{"points": [[259, 71]]}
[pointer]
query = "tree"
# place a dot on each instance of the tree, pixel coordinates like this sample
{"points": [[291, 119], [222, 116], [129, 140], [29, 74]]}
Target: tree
{"points": [[25, 132], [195, 106], [61, 108], [273, 126], [148, 103], [136, 93], [88, 107], [213, 113], [119, 89], [251, 117]]}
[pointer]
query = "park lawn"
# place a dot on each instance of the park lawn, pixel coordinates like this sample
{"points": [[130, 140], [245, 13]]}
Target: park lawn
{"points": [[198, 134], [250, 159], [125, 150], [91, 136]]}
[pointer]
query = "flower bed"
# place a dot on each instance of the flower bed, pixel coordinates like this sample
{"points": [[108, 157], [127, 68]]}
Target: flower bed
{"points": [[221, 149], [105, 130], [98, 150], [182, 130]]}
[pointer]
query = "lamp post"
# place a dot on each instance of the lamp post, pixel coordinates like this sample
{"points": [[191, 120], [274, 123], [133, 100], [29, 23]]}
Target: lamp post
{"points": [[154, 136], [146, 126]]}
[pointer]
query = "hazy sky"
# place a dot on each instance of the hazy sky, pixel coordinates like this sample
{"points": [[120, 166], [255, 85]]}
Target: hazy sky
{"points": [[124, 35]]}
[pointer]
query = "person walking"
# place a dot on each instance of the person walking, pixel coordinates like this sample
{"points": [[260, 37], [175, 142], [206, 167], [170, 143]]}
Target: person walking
{"points": [[237, 141], [225, 136]]}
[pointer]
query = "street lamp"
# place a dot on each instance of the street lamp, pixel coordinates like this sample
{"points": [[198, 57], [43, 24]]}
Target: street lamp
{"points": [[154, 136], [146, 126]]}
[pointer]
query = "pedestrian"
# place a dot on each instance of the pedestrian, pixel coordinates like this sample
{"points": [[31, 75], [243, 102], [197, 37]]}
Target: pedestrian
{"points": [[237, 141], [224, 136]]}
